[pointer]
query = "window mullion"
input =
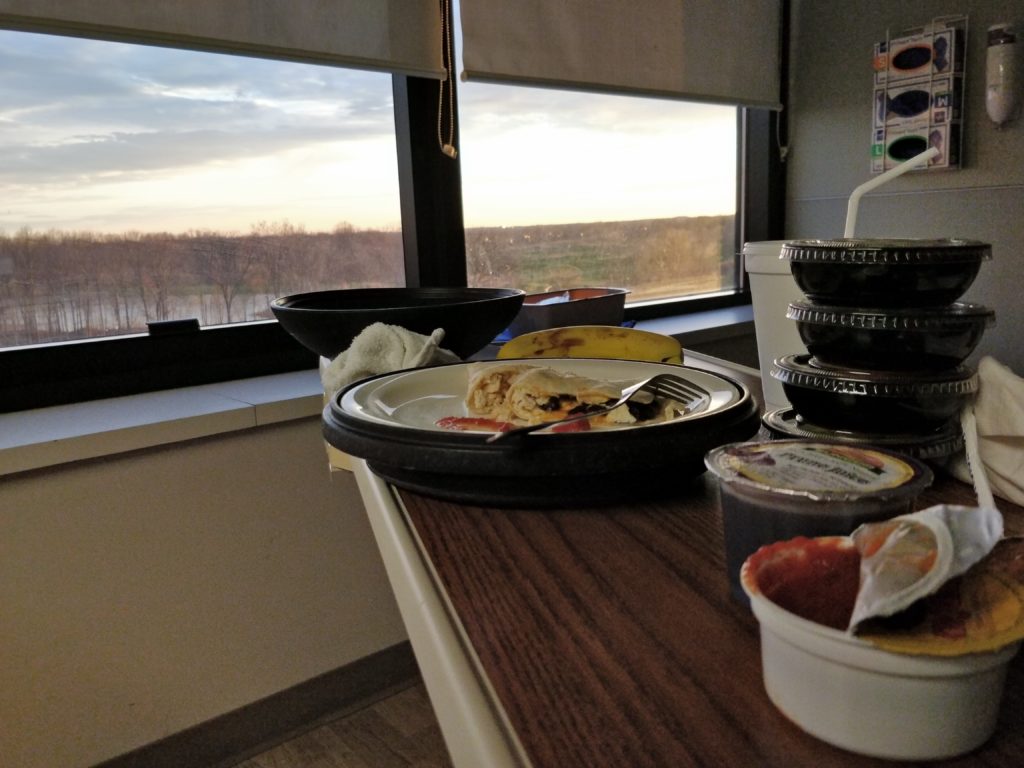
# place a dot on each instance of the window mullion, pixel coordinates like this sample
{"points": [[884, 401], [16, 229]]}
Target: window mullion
{"points": [[430, 189]]}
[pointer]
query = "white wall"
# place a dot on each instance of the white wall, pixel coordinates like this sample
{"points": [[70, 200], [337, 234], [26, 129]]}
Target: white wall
{"points": [[146, 593], [830, 132]]}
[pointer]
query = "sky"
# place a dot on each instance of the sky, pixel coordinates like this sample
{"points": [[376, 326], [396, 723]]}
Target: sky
{"points": [[106, 137]]}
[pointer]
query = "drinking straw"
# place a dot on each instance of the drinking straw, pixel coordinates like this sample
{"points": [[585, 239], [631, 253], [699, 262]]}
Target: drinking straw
{"points": [[892, 173]]}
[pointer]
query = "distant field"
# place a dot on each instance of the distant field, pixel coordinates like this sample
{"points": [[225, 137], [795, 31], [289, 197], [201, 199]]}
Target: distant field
{"points": [[653, 257]]}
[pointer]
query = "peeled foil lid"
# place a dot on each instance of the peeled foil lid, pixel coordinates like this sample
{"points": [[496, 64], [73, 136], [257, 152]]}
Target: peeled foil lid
{"points": [[981, 611], [950, 317], [805, 371], [910, 556], [886, 251]]}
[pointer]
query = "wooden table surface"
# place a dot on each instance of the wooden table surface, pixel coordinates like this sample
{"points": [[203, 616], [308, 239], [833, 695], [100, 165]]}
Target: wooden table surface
{"points": [[609, 636]]}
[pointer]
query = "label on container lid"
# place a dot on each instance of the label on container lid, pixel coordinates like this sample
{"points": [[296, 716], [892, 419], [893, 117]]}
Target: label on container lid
{"points": [[817, 469]]}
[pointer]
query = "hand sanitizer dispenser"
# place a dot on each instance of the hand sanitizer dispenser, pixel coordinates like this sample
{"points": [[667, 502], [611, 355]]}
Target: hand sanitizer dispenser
{"points": [[1002, 78]]}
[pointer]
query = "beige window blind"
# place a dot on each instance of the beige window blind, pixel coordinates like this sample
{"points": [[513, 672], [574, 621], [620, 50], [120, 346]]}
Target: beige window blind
{"points": [[720, 51], [401, 36]]}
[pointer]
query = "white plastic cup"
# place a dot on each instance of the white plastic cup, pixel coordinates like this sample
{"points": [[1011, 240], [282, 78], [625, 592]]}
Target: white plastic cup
{"points": [[861, 698], [772, 288]]}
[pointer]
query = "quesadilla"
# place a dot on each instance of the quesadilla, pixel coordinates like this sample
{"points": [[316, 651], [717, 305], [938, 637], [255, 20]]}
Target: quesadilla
{"points": [[525, 394], [487, 394]]}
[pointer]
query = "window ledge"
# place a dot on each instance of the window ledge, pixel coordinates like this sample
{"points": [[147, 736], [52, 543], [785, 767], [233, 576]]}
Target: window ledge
{"points": [[46, 437], [700, 327]]}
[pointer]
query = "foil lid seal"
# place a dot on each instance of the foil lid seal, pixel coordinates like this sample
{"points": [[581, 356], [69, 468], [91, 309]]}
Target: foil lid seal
{"points": [[952, 316], [944, 581], [805, 371], [886, 251], [912, 556], [819, 470]]}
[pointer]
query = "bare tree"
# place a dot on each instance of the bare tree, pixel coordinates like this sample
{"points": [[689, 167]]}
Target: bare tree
{"points": [[280, 247], [225, 262], [155, 263]]}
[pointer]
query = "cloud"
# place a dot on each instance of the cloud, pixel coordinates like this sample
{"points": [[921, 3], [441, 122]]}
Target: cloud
{"points": [[96, 133], [75, 111]]}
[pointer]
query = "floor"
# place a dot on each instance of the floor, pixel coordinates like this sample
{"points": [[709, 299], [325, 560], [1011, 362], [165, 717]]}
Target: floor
{"points": [[395, 732]]}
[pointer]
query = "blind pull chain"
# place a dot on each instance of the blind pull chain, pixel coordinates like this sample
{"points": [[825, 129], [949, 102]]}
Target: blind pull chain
{"points": [[447, 147]]}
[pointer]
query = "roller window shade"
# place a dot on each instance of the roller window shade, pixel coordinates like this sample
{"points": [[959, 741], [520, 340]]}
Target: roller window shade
{"points": [[720, 51], [399, 36]]}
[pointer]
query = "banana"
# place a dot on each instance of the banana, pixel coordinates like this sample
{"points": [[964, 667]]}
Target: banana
{"points": [[602, 341]]}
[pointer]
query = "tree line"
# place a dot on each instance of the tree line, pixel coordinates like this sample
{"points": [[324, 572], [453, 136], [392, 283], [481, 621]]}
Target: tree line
{"points": [[59, 286], [56, 286]]}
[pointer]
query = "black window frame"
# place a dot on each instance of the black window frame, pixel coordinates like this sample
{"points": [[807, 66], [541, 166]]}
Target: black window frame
{"points": [[433, 236]]}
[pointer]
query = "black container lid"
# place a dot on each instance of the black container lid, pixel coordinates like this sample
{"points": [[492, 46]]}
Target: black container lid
{"points": [[885, 251], [928, 446], [808, 372], [944, 318]]}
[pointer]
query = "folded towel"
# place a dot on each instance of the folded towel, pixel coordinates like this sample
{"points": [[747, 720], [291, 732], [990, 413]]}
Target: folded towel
{"points": [[994, 434], [381, 348]]}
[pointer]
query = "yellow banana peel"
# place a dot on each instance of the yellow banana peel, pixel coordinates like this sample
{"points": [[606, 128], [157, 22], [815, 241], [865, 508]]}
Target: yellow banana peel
{"points": [[601, 341]]}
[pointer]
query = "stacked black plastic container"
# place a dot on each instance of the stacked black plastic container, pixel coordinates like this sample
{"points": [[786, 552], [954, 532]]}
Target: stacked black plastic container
{"points": [[887, 338]]}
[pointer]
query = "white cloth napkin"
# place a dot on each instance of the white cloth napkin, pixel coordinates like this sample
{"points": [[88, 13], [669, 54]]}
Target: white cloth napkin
{"points": [[994, 434], [381, 348]]}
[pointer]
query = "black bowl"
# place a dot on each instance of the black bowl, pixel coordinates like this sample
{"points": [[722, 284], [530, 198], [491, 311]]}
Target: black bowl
{"points": [[884, 402], [327, 321], [570, 306], [885, 273], [920, 338]]}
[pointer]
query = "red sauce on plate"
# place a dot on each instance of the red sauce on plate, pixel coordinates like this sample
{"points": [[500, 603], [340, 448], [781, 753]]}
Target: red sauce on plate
{"points": [[816, 579], [573, 426], [477, 424]]}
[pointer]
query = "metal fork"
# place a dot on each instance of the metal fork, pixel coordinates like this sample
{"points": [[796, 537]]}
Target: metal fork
{"points": [[668, 385]]}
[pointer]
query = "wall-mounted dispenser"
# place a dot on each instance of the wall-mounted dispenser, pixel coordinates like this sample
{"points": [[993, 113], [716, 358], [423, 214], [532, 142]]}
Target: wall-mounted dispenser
{"points": [[919, 95], [1002, 73]]}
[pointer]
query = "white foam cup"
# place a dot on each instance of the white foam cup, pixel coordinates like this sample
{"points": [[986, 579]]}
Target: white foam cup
{"points": [[772, 288]]}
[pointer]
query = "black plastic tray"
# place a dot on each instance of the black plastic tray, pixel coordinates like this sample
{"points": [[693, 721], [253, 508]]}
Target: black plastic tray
{"points": [[541, 470]]}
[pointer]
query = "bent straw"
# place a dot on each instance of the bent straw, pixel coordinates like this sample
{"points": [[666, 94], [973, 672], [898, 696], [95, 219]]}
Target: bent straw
{"points": [[892, 173]]}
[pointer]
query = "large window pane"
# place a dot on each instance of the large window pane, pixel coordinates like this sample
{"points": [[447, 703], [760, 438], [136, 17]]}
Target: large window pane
{"points": [[143, 184], [565, 189]]}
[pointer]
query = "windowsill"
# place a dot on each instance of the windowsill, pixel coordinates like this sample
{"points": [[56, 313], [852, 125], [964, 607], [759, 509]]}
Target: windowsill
{"points": [[47, 437], [701, 327]]}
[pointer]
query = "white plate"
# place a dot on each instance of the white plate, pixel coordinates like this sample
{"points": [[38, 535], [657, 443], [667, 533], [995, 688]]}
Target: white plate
{"points": [[390, 421], [419, 398]]}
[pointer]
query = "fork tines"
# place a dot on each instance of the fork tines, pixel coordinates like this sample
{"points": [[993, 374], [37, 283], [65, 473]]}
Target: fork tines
{"points": [[677, 388]]}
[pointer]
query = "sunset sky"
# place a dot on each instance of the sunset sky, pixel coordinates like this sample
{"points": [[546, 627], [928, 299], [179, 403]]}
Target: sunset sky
{"points": [[108, 137]]}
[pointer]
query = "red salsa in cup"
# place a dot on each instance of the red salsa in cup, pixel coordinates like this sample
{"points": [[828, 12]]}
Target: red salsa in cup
{"points": [[816, 579]]}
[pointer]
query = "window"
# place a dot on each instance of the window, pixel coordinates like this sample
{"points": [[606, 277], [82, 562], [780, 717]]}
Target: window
{"points": [[565, 189], [331, 107], [146, 184]]}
